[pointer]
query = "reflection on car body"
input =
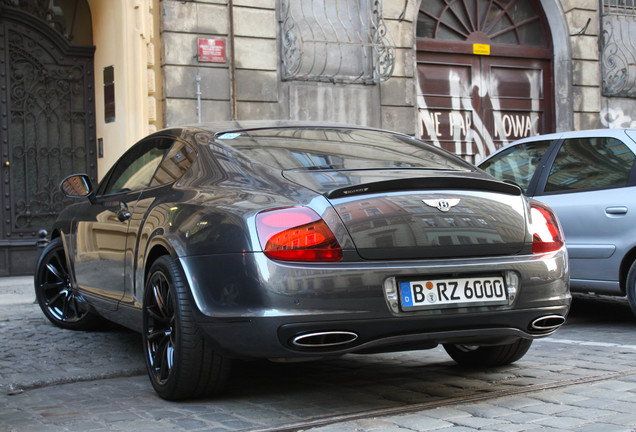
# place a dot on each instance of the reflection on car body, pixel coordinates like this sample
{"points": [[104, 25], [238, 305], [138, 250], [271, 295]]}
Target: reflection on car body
{"points": [[302, 241]]}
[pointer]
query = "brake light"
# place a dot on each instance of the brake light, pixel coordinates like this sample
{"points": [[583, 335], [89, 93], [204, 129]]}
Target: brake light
{"points": [[547, 235], [296, 234]]}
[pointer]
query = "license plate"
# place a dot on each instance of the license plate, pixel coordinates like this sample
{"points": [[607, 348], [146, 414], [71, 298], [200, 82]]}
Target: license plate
{"points": [[432, 293]]}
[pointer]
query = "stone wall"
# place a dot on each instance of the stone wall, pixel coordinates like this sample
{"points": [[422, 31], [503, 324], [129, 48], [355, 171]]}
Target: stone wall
{"points": [[399, 93], [183, 23], [248, 85], [583, 20]]}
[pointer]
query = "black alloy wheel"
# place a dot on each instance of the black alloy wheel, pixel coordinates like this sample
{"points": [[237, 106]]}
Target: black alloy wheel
{"points": [[494, 355], [54, 292], [181, 363], [159, 328]]}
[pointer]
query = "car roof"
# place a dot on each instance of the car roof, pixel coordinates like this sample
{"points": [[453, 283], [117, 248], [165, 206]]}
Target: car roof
{"points": [[246, 125], [574, 134]]}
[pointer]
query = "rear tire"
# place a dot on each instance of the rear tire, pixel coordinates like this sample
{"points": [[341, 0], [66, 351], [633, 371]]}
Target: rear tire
{"points": [[181, 362], [488, 356], [631, 287]]}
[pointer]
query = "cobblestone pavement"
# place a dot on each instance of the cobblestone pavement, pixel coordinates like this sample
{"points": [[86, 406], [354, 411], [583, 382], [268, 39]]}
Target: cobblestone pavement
{"points": [[582, 379]]}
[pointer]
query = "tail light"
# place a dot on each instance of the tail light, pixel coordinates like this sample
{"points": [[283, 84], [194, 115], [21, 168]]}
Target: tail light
{"points": [[547, 235], [296, 234]]}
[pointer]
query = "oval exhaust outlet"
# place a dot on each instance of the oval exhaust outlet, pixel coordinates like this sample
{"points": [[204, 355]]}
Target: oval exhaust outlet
{"points": [[548, 322], [324, 339]]}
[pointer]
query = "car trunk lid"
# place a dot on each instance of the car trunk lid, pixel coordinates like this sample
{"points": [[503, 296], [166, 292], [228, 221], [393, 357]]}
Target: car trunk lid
{"points": [[416, 214]]}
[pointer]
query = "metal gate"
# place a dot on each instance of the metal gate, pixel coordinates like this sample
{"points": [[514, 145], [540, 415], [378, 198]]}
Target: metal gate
{"points": [[47, 130], [485, 74]]}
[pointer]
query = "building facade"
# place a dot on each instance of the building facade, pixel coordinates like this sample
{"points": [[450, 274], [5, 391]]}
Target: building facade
{"points": [[82, 80]]}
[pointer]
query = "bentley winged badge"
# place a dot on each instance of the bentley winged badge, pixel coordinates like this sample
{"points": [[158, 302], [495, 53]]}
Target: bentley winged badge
{"points": [[442, 205]]}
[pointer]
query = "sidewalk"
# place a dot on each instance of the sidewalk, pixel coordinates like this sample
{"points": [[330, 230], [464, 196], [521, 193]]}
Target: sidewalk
{"points": [[16, 290]]}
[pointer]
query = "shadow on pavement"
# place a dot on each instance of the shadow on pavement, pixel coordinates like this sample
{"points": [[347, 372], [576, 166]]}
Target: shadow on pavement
{"points": [[600, 309]]}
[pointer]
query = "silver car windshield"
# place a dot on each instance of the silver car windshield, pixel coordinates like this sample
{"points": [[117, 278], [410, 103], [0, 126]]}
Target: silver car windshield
{"points": [[350, 149]]}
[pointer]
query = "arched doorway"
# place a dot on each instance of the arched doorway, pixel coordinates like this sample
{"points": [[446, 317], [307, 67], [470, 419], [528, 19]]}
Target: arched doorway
{"points": [[47, 122], [485, 73]]}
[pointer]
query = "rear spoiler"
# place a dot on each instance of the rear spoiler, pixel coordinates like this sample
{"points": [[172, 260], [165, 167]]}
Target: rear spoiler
{"points": [[420, 183]]}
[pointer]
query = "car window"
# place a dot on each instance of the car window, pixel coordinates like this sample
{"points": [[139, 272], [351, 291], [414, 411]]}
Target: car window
{"points": [[517, 163], [330, 149], [176, 162], [590, 163], [137, 167]]}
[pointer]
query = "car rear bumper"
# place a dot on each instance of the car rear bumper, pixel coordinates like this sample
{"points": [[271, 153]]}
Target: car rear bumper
{"points": [[250, 306], [274, 337]]}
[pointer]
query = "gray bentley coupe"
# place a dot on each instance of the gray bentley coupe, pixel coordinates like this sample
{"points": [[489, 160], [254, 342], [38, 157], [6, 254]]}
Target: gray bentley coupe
{"points": [[280, 240]]}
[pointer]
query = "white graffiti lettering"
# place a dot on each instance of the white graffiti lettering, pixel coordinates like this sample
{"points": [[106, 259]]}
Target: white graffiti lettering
{"points": [[462, 124], [516, 126], [433, 125], [459, 124], [615, 118], [457, 120]]}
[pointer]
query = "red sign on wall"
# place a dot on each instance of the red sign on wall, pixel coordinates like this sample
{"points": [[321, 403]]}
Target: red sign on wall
{"points": [[212, 50]]}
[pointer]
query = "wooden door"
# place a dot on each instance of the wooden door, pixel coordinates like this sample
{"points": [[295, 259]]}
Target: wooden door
{"points": [[485, 74]]}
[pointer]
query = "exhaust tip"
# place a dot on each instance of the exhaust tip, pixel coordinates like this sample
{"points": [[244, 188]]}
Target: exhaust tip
{"points": [[548, 323], [324, 339]]}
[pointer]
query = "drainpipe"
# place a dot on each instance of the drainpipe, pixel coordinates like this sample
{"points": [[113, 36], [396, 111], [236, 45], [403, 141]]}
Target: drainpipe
{"points": [[232, 64], [198, 80]]}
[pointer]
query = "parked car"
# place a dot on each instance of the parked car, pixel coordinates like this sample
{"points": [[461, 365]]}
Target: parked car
{"points": [[589, 179], [285, 241]]}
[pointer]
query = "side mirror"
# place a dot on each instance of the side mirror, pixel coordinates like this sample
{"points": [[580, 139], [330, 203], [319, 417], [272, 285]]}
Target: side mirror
{"points": [[78, 186]]}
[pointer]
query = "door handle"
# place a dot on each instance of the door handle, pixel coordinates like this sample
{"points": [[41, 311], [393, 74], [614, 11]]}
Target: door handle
{"points": [[123, 215], [619, 210]]}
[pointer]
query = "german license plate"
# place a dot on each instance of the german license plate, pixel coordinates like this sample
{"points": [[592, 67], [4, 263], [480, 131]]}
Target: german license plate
{"points": [[432, 293]]}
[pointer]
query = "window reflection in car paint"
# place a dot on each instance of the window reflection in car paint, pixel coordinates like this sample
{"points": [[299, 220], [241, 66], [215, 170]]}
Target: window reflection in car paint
{"points": [[389, 220], [325, 149]]}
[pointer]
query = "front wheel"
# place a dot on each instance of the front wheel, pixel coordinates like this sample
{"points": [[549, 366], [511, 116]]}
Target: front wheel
{"points": [[487, 356], [181, 362], [54, 292]]}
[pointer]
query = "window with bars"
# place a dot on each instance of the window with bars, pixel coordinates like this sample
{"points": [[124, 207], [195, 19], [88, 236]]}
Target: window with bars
{"points": [[621, 7], [515, 22], [343, 41], [618, 53]]}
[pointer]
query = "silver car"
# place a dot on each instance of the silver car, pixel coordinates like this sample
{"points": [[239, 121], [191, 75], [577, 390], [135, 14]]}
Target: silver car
{"points": [[589, 179]]}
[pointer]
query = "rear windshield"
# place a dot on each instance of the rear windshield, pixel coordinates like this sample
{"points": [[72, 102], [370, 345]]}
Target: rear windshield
{"points": [[350, 149]]}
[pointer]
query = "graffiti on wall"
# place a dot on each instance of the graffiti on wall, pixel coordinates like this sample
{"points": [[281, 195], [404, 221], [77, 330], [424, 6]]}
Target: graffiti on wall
{"points": [[615, 118], [475, 122]]}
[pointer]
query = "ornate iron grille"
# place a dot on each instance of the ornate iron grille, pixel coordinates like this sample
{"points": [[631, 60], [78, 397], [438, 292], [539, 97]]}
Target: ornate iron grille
{"points": [[620, 7], [513, 22], [618, 52], [50, 126], [343, 41]]}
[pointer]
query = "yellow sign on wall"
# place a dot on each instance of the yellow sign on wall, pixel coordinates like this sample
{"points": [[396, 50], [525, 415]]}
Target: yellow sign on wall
{"points": [[481, 49]]}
